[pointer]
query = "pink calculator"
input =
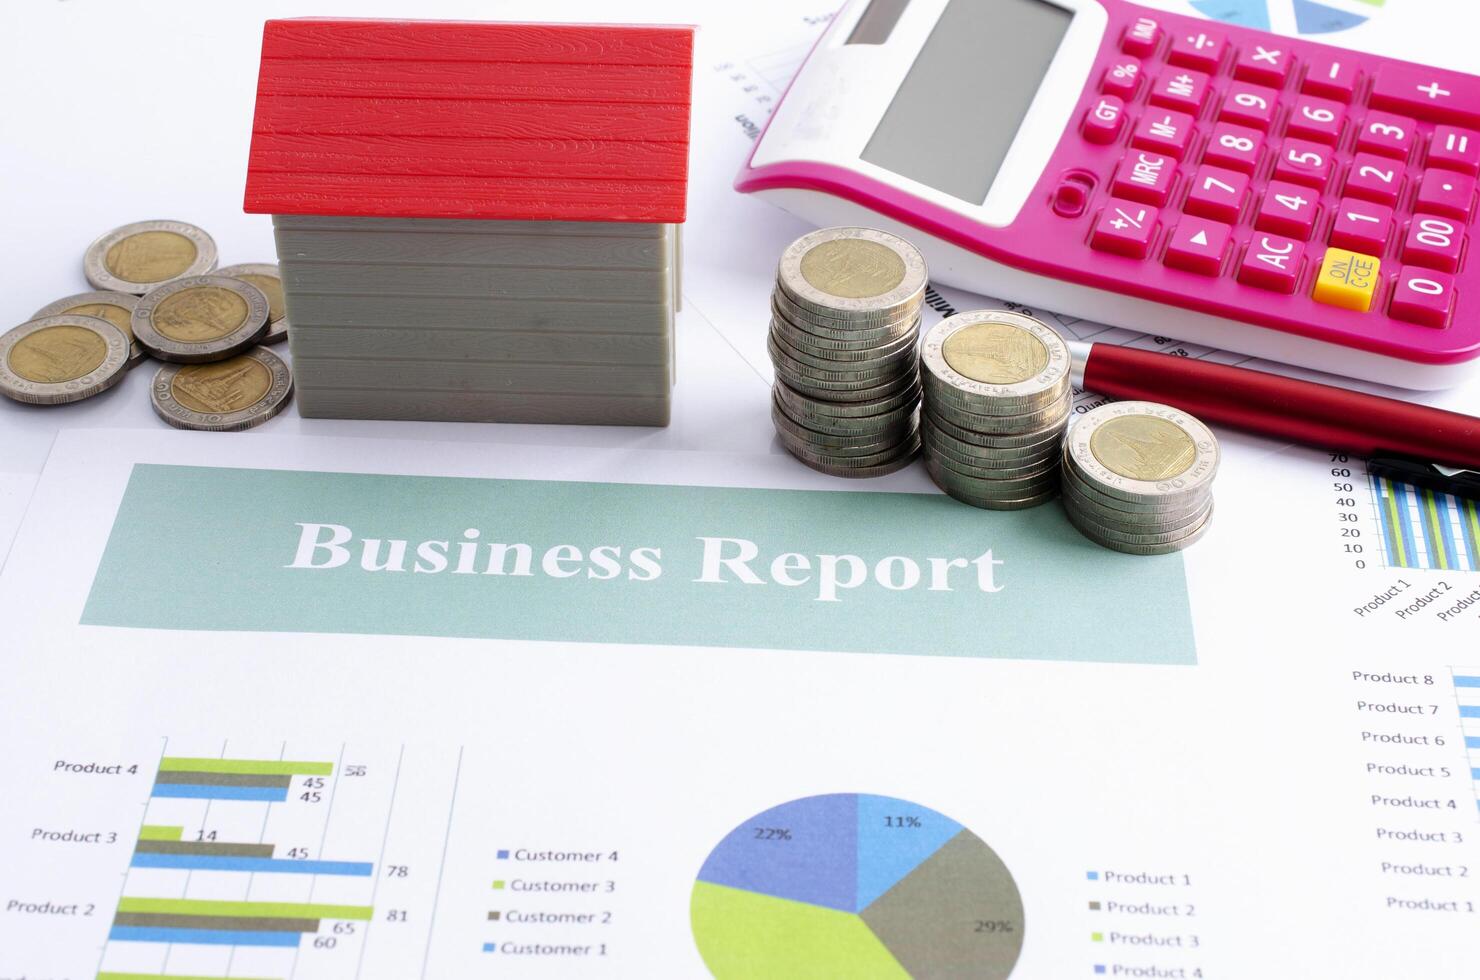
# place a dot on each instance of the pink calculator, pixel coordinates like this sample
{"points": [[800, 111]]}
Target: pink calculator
{"points": [[1221, 185]]}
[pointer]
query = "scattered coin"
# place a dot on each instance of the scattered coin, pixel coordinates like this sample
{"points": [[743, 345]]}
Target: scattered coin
{"points": [[139, 257], [1138, 477], [997, 399], [223, 396], [200, 319], [63, 358], [116, 308], [264, 275], [845, 325]]}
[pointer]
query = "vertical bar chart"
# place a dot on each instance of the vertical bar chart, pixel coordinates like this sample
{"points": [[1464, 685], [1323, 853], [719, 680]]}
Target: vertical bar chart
{"points": [[1423, 529], [1467, 696]]}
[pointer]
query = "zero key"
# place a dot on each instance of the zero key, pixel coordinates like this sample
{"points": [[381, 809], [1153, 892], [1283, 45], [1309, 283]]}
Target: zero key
{"points": [[1427, 93]]}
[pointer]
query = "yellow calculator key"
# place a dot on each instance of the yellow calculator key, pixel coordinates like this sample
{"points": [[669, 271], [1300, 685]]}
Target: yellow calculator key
{"points": [[1347, 279]]}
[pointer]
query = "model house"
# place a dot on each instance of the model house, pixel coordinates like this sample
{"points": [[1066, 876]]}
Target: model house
{"points": [[476, 221]]}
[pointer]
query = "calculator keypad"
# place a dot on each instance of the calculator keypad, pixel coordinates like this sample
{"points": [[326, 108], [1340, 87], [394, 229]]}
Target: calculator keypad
{"points": [[1288, 168]]}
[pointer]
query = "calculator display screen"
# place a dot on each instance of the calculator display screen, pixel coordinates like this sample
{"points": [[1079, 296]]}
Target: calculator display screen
{"points": [[954, 117]]}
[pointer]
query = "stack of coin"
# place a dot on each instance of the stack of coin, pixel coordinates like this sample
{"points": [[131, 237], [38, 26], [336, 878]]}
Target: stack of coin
{"points": [[845, 321], [997, 397], [1138, 477]]}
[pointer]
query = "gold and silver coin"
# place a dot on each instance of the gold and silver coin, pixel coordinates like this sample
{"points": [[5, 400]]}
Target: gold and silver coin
{"points": [[845, 326], [201, 319], [997, 397], [63, 358], [265, 276], [223, 396], [116, 308], [1138, 477], [853, 274], [146, 254]]}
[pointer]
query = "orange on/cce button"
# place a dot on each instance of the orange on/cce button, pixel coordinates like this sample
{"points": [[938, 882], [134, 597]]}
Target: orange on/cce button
{"points": [[1347, 279]]}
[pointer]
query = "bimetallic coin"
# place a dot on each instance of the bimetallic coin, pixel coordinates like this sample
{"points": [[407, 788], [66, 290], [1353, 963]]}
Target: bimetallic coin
{"points": [[1143, 451], [814, 322], [1118, 509], [858, 467], [1035, 439], [116, 308], [223, 396], [146, 254], [995, 362], [883, 358], [840, 445], [966, 493], [900, 347], [800, 404], [63, 358], [853, 273], [860, 425], [200, 319], [1055, 414], [265, 276]]}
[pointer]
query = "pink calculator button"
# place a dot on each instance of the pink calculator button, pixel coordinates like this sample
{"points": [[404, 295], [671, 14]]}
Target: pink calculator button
{"points": [[1125, 228], [1195, 48], [1217, 193], [1198, 245], [1145, 177], [1164, 132], [1303, 162], [1386, 134], [1249, 105], [1121, 78], [1104, 119], [1422, 296], [1434, 243], [1266, 62], [1446, 193], [1141, 37], [1181, 89], [1272, 262], [1427, 93], [1361, 226], [1331, 76], [1288, 209], [1455, 149], [1314, 118], [1234, 147], [1374, 178]]}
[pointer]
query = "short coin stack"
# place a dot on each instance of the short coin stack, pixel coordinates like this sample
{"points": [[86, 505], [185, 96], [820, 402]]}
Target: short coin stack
{"points": [[1138, 477], [845, 321], [997, 397]]}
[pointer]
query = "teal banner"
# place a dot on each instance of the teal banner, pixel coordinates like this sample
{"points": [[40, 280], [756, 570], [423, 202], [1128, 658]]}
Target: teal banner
{"points": [[851, 571]]}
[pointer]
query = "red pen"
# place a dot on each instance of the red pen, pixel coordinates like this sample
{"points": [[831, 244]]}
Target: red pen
{"points": [[1314, 414]]}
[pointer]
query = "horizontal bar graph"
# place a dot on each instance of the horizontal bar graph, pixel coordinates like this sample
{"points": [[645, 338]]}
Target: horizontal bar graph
{"points": [[221, 849], [205, 791], [1467, 696], [203, 937], [243, 910], [253, 767], [156, 832], [215, 862], [1423, 529]]}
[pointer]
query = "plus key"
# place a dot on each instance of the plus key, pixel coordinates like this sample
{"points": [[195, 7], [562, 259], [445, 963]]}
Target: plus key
{"points": [[1427, 94]]}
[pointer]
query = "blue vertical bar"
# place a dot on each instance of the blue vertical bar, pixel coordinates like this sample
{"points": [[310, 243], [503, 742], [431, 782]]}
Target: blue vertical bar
{"points": [[1467, 508], [1444, 507], [1401, 494]]}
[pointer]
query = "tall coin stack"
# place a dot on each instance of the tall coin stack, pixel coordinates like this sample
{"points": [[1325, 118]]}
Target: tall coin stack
{"points": [[1138, 477], [997, 397], [845, 320]]}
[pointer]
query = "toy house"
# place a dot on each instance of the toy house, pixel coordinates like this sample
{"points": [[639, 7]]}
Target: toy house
{"points": [[476, 221]]}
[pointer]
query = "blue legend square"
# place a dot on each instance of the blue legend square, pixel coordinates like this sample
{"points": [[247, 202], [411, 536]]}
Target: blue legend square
{"points": [[490, 947], [503, 855], [1099, 968], [1092, 875]]}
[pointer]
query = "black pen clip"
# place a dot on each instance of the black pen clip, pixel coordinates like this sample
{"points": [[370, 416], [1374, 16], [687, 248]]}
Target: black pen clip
{"points": [[1430, 476]]}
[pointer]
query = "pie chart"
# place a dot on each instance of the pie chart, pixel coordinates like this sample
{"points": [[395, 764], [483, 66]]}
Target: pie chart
{"points": [[1290, 16], [858, 886]]}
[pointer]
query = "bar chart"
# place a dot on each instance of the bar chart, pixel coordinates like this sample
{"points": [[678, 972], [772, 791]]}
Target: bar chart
{"points": [[1467, 695], [275, 865], [1423, 529]]}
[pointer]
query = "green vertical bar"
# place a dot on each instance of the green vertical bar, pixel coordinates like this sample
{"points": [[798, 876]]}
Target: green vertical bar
{"points": [[160, 832], [255, 767], [1471, 511], [1431, 511]]}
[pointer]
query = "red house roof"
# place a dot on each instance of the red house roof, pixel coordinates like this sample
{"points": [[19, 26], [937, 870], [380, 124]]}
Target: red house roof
{"points": [[446, 119]]}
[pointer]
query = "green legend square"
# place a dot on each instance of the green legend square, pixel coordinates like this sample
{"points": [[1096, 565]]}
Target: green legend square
{"points": [[498, 885], [1097, 937]]}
